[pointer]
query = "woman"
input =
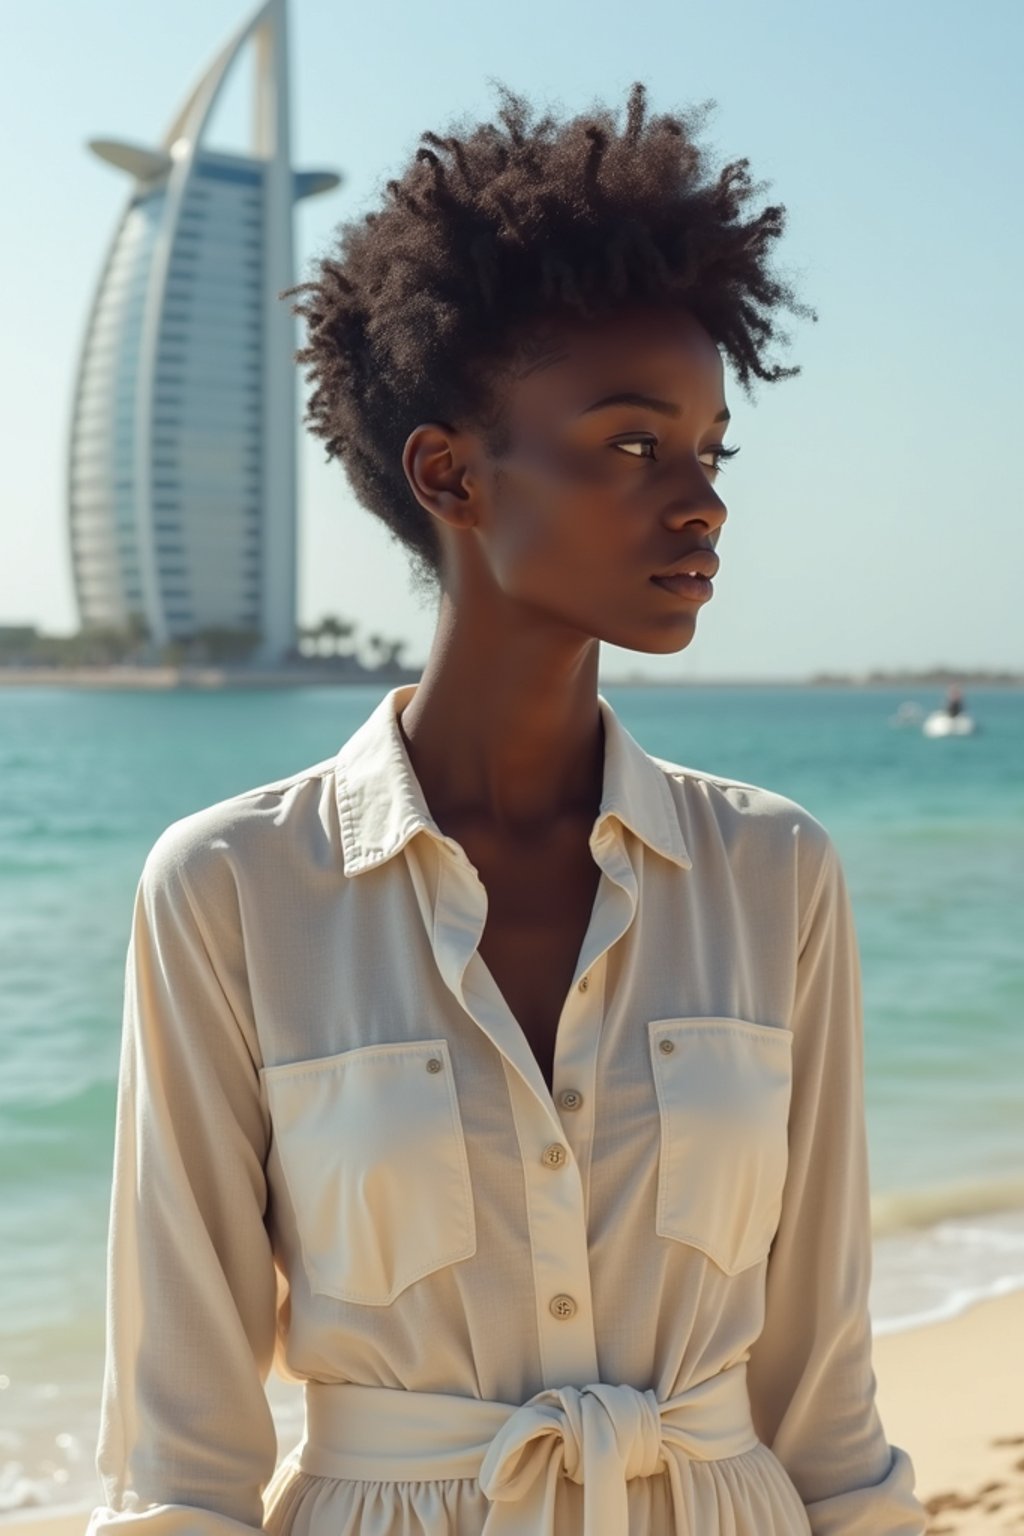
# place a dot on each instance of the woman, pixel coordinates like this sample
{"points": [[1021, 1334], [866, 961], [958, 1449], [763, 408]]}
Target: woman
{"points": [[502, 1082]]}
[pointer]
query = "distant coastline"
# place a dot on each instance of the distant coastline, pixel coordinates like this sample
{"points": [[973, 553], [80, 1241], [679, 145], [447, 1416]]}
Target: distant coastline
{"points": [[164, 679], [161, 678]]}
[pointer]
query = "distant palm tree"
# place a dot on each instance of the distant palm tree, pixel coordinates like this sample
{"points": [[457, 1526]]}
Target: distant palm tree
{"points": [[392, 654], [311, 634], [374, 647], [334, 630]]}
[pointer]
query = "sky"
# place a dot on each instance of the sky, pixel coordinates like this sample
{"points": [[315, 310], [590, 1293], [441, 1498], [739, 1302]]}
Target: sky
{"points": [[875, 513]]}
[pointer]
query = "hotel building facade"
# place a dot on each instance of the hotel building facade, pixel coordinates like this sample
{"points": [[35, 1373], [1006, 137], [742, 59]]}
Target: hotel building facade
{"points": [[182, 455]]}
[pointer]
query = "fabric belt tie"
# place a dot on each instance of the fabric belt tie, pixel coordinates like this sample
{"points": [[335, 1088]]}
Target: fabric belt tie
{"points": [[600, 1436]]}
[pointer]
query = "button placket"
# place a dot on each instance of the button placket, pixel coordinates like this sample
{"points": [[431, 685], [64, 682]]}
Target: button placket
{"points": [[558, 1241], [571, 1098], [578, 1038], [556, 1193], [557, 1206]]}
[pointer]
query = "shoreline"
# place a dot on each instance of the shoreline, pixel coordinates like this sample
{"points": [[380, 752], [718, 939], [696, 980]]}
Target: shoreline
{"points": [[949, 1393], [161, 679], [164, 679]]}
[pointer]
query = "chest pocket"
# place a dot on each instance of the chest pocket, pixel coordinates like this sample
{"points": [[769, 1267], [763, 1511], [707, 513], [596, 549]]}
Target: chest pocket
{"points": [[724, 1088], [371, 1149]]}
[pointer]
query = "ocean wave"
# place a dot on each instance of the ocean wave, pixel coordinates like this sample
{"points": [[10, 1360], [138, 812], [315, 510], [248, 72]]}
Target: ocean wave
{"points": [[903, 1210], [64, 1105], [952, 1304]]}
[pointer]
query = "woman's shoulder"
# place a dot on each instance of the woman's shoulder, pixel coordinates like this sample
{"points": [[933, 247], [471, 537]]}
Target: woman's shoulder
{"points": [[740, 815], [259, 828]]}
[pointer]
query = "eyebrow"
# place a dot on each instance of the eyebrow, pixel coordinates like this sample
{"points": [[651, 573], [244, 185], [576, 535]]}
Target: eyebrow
{"points": [[630, 397]]}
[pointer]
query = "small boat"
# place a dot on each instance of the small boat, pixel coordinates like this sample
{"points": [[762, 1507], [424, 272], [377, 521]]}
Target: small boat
{"points": [[941, 723]]}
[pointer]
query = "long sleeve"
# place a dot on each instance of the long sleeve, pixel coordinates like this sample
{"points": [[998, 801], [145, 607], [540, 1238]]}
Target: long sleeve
{"points": [[187, 1440], [810, 1374]]}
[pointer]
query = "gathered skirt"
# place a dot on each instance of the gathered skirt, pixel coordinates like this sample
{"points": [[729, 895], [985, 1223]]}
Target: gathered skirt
{"points": [[746, 1495]]}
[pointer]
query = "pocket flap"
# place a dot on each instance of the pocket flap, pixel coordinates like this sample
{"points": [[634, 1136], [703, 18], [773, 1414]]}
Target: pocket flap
{"points": [[372, 1151], [724, 1087]]}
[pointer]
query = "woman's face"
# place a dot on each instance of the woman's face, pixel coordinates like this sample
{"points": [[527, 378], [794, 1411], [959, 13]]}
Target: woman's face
{"points": [[592, 495]]}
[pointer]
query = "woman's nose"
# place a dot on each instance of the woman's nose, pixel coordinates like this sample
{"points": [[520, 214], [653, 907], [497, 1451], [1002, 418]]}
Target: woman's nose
{"points": [[704, 505]]}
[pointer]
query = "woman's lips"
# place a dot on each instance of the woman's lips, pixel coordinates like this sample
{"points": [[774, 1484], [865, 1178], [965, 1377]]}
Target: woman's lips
{"points": [[697, 588]]}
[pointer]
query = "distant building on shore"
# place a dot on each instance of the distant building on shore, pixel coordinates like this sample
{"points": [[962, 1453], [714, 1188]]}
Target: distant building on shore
{"points": [[182, 454]]}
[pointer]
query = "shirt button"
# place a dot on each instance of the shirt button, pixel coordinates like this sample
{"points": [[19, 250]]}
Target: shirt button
{"points": [[433, 1065], [570, 1098], [583, 983], [554, 1155], [667, 1046], [562, 1306]]}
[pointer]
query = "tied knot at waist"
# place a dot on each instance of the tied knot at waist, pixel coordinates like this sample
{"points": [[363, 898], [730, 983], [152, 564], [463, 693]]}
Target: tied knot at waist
{"points": [[600, 1436], [583, 1427]]}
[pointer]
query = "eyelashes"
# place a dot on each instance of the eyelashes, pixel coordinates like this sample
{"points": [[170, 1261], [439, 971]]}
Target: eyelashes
{"points": [[721, 453]]}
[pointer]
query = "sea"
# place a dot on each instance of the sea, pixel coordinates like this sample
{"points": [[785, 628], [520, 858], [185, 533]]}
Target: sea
{"points": [[931, 834]]}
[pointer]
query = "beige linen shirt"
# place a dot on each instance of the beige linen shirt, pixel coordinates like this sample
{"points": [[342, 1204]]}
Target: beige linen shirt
{"points": [[636, 1305]]}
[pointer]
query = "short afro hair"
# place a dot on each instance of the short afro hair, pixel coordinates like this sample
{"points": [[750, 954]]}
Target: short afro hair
{"points": [[509, 224]]}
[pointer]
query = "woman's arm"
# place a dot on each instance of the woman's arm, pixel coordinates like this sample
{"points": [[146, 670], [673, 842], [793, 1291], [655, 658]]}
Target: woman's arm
{"points": [[810, 1375], [187, 1440]]}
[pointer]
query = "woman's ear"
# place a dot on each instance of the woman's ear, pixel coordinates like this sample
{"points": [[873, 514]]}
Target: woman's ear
{"points": [[436, 461]]}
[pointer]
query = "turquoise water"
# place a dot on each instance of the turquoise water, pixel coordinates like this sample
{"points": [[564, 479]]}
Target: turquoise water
{"points": [[932, 839]]}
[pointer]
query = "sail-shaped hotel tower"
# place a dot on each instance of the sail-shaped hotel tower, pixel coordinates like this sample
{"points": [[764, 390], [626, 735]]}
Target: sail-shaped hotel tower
{"points": [[182, 454]]}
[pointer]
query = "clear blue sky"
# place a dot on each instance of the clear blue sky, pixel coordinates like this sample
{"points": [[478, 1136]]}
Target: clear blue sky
{"points": [[876, 515]]}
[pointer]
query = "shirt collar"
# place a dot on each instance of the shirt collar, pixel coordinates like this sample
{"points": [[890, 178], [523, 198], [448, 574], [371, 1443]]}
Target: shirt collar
{"points": [[381, 804]]}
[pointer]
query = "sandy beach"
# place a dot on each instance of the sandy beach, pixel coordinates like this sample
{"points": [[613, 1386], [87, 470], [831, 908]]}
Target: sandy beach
{"points": [[951, 1394]]}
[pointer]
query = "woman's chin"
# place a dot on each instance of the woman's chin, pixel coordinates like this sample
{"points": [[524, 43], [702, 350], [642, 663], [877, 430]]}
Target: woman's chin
{"points": [[667, 644]]}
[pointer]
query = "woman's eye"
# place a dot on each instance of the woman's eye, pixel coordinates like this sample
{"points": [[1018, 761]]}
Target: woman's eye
{"points": [[632, 444], [629, 443], [721, 453]]}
